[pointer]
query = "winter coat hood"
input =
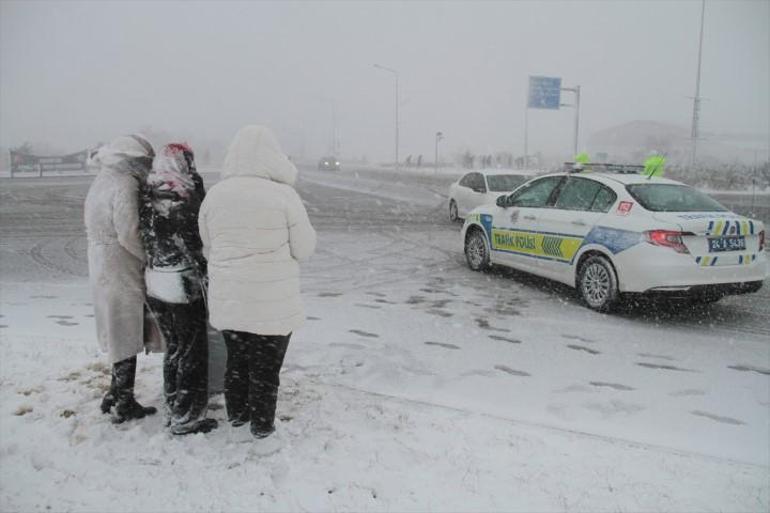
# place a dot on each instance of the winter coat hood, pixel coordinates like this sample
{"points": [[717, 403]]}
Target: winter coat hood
{"points": [[256, 152], [127, 153]]}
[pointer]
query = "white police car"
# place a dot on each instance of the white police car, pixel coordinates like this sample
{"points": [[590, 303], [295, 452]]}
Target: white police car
{"points": [[607, 231], [482, 187]]}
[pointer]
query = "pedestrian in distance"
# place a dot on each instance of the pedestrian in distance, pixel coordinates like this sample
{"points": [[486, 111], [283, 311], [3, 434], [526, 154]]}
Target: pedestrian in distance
{"points": [[175, 276], [255, 230], [115, 264]]}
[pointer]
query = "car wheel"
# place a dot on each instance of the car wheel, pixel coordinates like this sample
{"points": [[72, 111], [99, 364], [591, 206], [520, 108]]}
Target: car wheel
{"points": [[476, 251], [453, 211], [597, 284]]}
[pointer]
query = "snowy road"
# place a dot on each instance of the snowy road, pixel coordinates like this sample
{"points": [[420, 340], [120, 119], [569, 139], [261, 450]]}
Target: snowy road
{"points": [[498, 387]]}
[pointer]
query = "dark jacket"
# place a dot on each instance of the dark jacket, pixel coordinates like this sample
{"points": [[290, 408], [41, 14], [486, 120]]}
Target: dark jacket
{"points": [[171, 197]]}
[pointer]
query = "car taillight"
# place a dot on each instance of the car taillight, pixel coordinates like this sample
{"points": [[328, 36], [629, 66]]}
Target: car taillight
{"points": [[762, 240], [668, 239]]}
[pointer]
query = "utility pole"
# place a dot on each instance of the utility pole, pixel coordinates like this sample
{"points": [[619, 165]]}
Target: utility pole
{"points": [[526, 135], [696, 99], [577, 117], [335, 141], [395, 74], [439, 136]]}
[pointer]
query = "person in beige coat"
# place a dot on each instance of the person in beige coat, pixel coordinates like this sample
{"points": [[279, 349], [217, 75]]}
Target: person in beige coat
{"points": [[115, 266], [254, 230]]}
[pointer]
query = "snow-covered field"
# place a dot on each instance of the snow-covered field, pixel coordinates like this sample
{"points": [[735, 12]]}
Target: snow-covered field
{"points": [[415, 385]]}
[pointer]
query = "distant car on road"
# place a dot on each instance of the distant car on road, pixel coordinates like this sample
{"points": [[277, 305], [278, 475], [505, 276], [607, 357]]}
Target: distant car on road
{"points": [[481, 188], [329, 164], [608, 233]]}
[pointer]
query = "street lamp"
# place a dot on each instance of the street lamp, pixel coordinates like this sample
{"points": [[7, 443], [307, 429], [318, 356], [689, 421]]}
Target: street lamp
{"points": [[439, 136], [395, 74]]}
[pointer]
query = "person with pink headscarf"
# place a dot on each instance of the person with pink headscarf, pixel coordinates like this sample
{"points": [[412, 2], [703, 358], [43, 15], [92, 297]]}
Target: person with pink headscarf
{"points": [[175, 276]]}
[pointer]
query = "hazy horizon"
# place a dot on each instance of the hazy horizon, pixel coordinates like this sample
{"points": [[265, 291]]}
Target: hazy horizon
{"points": [[75, 73]]}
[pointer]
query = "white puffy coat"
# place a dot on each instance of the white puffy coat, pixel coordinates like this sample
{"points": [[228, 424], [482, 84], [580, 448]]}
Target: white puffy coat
{"points": [[115, 252], [254, 229]]}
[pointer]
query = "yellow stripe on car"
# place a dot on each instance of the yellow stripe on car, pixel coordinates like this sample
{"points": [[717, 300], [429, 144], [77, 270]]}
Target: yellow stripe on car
{"points": [[544, 245]]}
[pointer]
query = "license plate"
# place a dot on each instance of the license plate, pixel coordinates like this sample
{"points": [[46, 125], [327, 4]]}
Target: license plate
{"points": [[737, 243]]}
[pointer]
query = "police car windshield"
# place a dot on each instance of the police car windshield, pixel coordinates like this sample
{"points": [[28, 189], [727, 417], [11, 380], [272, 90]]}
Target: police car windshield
{"points": [[504, 183], [673, 198]]}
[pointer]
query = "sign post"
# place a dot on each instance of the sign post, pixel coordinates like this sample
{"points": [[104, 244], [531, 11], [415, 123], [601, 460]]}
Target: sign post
{"points": [[545, 93], [575, 90]]}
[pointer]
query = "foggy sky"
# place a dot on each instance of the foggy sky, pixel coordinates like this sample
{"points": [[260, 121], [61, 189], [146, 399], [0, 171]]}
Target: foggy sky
{"points": [[73, 73]]}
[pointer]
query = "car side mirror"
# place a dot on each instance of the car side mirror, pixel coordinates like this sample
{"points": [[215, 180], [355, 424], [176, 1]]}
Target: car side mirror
{"points": [[502, 201]]}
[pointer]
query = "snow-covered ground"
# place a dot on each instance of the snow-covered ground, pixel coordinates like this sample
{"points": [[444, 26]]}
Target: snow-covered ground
{"points": [[415, 385]]}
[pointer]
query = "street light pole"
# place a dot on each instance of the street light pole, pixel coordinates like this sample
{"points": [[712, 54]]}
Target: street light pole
{"points": [[577, 118], [395, 74], [439, 136], [697, 99]]}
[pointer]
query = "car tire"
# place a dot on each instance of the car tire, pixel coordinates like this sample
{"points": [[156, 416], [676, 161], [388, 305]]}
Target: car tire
{"points": [[453, 216], [476, 250], [597, 284]]}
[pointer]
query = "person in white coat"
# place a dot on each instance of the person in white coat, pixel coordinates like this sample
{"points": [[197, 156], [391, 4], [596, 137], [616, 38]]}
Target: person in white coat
{"points": [[115, 266], [254, 230]]}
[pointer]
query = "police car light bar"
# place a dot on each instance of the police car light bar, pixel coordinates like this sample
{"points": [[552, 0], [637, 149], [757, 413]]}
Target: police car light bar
{"points": [[623, 169]]}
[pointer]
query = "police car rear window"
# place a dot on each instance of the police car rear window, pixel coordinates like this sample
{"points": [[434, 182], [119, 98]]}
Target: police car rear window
{"points": [[673, 198]]}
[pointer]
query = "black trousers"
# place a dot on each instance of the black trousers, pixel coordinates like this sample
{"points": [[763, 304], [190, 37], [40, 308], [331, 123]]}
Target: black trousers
{"points": [[251, 377], [185, 365]]}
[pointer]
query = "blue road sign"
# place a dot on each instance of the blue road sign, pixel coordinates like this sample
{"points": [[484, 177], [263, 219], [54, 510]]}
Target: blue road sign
{"points": [[544, 93]]}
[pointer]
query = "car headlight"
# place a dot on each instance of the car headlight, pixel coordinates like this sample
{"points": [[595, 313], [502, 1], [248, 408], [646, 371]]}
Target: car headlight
{"points": [[326, 163], [336, 163]]}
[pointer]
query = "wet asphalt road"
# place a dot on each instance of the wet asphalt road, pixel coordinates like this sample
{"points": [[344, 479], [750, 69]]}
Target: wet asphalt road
{"points": [[42, 239]]}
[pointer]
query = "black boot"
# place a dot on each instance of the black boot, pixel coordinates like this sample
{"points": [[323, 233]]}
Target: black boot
{"points": [[198, 426], [126, 406], [239, 420], [131, 409], [111, 397], [260, 432], [108, 402]]}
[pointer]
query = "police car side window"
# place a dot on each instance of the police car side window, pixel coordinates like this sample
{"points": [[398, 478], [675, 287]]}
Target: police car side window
{"points": [[604, 200], [577, 194], [467, 180], [536, 194]]}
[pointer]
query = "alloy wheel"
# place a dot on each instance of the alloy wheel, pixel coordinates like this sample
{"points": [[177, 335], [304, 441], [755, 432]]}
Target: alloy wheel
{"points": [[596, 285], [476, 251]]}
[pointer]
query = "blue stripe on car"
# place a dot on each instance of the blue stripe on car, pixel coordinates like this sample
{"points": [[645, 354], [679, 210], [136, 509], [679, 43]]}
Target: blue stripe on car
{"points": [[612, 238]]}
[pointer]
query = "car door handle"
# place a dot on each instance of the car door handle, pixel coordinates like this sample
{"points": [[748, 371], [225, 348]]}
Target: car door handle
{"points": [[529, 218], [578, 222]]}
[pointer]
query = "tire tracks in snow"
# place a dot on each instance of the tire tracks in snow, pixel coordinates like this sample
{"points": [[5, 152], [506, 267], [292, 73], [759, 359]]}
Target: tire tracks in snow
{"points": [[548, 427]]}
